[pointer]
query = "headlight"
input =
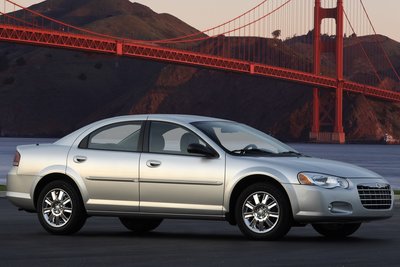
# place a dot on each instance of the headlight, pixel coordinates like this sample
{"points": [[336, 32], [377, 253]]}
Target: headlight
{"points": [[322, 180]]}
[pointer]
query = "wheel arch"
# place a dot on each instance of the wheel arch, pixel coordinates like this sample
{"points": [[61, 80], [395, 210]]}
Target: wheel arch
{"points": [[245, 182], [54, 177]]}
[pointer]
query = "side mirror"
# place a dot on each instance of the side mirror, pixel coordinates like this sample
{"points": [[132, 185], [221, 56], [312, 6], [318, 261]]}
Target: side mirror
{"points": [[201, 150]]}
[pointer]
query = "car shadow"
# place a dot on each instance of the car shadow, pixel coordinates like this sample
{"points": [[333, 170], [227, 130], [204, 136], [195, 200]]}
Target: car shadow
{"points": [[224, 237], [163, 235], [321, 239]]}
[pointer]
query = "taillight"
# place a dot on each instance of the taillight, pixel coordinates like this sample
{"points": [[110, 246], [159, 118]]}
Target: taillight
{"points": [[17, 158]]}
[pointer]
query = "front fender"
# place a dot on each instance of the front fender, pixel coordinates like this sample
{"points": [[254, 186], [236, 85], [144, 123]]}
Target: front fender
{"points": [[235, 178]]}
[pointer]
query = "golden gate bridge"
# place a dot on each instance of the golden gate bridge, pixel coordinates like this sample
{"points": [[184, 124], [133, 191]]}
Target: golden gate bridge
{"points": [[312, 43]]}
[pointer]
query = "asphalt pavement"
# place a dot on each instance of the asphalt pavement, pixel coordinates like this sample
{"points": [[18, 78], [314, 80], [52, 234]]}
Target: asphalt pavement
{"points": [[103, 241]]}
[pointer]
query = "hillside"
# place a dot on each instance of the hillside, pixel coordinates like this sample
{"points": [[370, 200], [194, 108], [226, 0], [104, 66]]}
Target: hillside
{"points": [[50, 92]]}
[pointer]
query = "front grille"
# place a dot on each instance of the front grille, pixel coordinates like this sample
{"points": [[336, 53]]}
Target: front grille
{"points": [[375, 196]]}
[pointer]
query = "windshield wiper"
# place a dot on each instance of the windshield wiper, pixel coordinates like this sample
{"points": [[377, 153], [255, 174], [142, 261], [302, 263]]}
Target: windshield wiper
{"points": [[252, 151], [291, 153]]}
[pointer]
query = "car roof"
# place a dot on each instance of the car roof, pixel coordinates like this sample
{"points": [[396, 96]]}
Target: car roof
{"points": [[181, 118]]}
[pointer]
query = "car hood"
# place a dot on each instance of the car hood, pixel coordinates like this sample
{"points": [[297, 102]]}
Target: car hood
{"points": [[294, 165]]}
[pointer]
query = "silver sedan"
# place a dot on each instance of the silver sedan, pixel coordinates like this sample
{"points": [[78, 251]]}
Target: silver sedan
{"points": [[144, 168]]}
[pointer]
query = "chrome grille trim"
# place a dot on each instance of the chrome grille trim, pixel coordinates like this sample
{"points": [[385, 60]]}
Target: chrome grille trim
{"points": [[375, 196]]}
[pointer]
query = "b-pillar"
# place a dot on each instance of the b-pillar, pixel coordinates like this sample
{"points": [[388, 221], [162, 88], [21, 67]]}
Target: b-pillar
{"points": [[337, 135]]}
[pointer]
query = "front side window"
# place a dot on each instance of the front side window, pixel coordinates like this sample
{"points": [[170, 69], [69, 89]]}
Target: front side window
{"points": [[118, 137], [171, 139]]}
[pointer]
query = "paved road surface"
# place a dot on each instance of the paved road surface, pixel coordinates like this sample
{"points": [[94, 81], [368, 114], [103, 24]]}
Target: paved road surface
{"points": [[104, 242]]}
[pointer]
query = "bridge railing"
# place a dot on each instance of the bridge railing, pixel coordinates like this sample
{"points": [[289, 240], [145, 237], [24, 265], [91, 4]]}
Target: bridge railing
{"points": [[276, 33]]}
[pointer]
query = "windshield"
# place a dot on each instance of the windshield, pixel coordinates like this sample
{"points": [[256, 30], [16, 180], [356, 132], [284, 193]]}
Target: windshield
{"points": [[241, 139]]}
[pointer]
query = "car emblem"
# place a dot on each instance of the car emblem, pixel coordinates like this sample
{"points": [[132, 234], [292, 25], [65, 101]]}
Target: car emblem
{"points": [[380, 185]]}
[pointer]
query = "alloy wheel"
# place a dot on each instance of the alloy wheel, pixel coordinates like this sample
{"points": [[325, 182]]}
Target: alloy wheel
{"points": [[260, 212], [57, 207]]}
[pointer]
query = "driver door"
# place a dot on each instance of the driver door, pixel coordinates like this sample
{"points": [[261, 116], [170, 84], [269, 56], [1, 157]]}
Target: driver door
{"points": [[176, 182]]}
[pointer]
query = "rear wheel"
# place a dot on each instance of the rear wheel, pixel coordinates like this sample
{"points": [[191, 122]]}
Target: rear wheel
{"points": [[139, 225], [336, 230], [60, 209], [263, 212]]}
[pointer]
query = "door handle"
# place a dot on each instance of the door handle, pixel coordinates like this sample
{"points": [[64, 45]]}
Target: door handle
{"points": [[153, 163], [79, 159]]}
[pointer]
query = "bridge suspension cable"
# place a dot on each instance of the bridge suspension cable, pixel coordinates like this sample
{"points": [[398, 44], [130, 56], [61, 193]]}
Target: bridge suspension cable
{"points": [[64, 26], [380, 44], [363, 50], [273, 34]]}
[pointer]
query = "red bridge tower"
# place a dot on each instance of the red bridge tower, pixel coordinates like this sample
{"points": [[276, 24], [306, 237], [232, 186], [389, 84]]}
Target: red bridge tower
{"points": [[337, 134]]}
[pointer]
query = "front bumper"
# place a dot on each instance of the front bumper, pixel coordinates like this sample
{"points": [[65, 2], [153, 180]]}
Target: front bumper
{"points": [[316, 204]]}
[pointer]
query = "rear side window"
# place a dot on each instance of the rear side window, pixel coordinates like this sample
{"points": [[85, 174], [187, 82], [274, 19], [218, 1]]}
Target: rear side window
{"points": [[116, 137]]}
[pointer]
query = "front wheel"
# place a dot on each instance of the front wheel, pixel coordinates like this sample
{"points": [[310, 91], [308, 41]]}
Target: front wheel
{"points": [[60, 209], [139, 225], [263, 212], [336, 230]]}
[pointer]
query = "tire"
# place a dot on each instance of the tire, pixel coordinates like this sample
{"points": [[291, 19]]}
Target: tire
{"points": [[270, 218], [140, 226], [60, 209], [336, 230]]}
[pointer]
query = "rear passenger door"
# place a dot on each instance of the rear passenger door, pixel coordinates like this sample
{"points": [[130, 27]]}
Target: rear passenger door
{"points": [[108, 162], [174, 181]]}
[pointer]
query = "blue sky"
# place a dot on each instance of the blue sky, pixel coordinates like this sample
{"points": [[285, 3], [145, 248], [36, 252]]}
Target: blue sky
{"points": [[203, 14]]}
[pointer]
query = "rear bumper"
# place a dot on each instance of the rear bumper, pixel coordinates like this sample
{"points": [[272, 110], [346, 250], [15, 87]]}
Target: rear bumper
{"points": [[316, 204], [19, 190]]}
